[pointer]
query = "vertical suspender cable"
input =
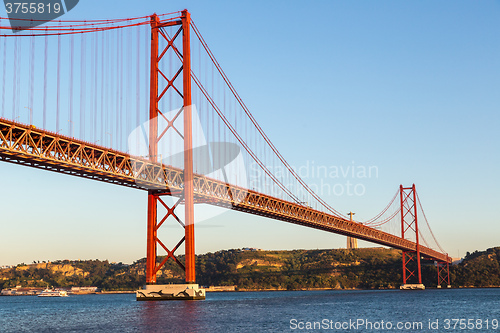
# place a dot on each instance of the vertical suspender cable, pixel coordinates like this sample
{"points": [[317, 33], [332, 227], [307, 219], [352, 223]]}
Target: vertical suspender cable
{"points": [[118, 84], [4, 75], [111, 115], [137, 87], [103, 139], [121, 112], [128, 91], [32, 78], [109, 96], [201, 115], [213, 90], [146, 71], [18, 83], [58, 79], [94, 93], [209, 137], [14, 83], [121, 109], [83, 83], [92, 88], [70, 106], [225, 131], [45, 60]]}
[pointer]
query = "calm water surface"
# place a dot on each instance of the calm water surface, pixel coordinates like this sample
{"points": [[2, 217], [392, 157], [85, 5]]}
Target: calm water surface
{"points": [[292, 311]]}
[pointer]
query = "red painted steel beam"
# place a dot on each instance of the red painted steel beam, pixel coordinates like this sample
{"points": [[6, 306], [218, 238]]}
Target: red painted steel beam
{"points": [[188, 149], [151, 249], [151, 239], [417, 234]]}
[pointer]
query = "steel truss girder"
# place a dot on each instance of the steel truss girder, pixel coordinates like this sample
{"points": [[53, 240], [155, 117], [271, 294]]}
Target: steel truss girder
{"points": [[23, 144], [28, 146]]}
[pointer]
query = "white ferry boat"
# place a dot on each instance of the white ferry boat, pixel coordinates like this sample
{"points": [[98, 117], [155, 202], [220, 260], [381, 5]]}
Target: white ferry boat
{"points": [[53, 293]]}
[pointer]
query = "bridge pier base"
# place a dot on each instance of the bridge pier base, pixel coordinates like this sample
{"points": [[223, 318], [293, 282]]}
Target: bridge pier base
{"points": [[412, 286], [170, 292]]}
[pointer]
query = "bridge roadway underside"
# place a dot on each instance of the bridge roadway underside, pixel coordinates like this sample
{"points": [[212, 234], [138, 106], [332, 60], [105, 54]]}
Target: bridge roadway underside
{"points": [[27, 145]]}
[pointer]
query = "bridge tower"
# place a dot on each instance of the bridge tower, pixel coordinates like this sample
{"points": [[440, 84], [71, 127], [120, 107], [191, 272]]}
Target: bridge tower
{"points": [[411, 259], [409, 224], [352, 243], [443, 270], [190, 290]]}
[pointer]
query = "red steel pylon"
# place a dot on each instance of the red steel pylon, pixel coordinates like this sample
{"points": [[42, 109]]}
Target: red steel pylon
{"points": [[443, 270], [409, 223], [154, 197]]}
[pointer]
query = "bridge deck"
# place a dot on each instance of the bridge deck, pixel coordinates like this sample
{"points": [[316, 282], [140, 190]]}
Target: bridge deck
{"points": [[27, 145]]}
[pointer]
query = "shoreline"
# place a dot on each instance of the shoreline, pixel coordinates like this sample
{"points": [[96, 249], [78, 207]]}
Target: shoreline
{"points": [[236, 289], [360, 289], [119, 292]]}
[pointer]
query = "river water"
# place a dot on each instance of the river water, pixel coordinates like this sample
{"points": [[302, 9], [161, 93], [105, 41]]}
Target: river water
{"points": [[446, 310]]}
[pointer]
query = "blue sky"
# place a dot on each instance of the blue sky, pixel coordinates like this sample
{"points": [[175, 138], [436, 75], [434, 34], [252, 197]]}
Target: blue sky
{"points": [[411, 88]]}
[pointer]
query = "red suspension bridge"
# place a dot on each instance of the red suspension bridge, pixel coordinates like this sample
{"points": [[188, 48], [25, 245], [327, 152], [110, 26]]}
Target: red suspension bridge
{"points": [[144, 103]]}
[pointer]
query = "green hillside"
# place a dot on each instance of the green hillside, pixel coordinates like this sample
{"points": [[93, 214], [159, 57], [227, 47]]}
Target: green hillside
{"points": [[368, 268], [479, 269]]}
